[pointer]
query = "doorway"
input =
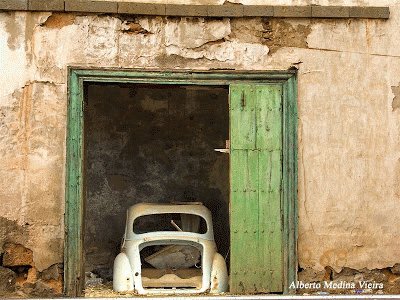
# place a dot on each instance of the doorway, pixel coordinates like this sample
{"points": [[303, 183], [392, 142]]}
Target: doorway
{"points": [[151, 143], [254, 99]]}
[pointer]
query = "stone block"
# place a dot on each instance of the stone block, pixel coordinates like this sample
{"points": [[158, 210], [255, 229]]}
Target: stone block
{"points": [[230, 10], [48, 288], [330, 11], [7, 280], [369, 12], [142, 8], [292, 11], [16, 255], [310, 275], [51, 273], [91, 6], [13, 4], [395, 269], [186, 10], [48, 5], [258, 11]]}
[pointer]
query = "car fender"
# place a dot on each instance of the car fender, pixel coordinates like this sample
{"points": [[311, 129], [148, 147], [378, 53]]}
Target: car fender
{"points": [[219, 275], [122, 274]]}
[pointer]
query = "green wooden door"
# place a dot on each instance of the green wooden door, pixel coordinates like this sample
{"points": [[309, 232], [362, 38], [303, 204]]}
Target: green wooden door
{"points": [[256, 181]]}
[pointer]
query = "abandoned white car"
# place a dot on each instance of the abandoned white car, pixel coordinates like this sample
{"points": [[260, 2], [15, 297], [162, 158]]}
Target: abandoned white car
{"points": [[169, 249]]}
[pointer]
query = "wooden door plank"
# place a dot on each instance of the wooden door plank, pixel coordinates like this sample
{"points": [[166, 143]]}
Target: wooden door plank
{"points": [[269, 117], [244, 218], [256, 174], [238, 182], [243, 122], [276, 230], [265, 221]]}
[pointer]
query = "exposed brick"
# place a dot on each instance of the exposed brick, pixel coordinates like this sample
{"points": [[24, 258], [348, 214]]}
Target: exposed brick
{"points": [[258, 11], [186, 10], [230, 10], [292, 11], [32, 275], [48, 5], [369, 12], [141, 8], [330, 11], [13, 4], [91, 6]]}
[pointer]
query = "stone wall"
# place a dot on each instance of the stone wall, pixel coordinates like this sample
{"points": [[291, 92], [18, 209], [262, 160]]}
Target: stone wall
{"points": [[349, 117]]}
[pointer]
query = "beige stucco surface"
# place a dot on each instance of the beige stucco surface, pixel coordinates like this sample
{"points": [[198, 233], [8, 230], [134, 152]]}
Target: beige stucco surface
{"points": [[349, 132]]}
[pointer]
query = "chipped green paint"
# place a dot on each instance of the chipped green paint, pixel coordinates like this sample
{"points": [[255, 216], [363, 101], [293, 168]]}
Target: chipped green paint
{"points": [[73, 254], [269, 161], [289, 191]]}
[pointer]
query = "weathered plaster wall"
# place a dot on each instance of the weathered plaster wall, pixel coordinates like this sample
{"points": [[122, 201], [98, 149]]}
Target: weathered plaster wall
{"points": [[270, 2], [349, 142]]}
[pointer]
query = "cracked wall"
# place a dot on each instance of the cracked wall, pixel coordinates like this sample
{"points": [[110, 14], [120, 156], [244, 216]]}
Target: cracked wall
{"points": [[349, 157]]}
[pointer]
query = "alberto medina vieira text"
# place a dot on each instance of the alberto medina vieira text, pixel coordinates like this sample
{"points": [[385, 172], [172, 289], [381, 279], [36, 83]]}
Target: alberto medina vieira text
{"points": [[335, 285]]}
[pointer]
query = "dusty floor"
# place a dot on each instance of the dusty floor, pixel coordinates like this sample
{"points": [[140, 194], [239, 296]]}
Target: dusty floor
{"points": [[385, 281], [105, 290]]}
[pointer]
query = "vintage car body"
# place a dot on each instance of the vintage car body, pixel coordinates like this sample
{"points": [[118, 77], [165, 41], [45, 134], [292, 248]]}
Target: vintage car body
{"points": [[128, 275]]}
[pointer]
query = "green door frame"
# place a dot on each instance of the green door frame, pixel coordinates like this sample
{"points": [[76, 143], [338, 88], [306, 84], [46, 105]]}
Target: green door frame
{"points": [[74, 185]]}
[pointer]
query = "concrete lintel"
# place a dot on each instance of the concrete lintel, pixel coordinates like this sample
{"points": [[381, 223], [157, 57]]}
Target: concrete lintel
{"points": [[330, 11], [13, 4], [187, 10], [48, 5], [369, 12], [258, 10], [292, 11], [91, 6], [227, 10], [141, 8]]}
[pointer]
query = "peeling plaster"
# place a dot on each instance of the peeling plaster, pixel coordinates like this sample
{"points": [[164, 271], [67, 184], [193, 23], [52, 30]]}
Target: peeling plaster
{"points": [[11, 231], [279, 33], [192, 33], [396, 98], [14, 31], [133, 28], [58, 20]]}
